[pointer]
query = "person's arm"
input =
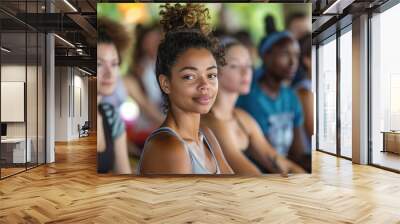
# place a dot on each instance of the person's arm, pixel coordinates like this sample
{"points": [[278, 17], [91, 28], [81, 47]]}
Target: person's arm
{"points": [[297, 148], [239, 163], [101, 145], [263, 151], [165, 154], [142, 100], [306, 99], [121, 163], [224, 166]]}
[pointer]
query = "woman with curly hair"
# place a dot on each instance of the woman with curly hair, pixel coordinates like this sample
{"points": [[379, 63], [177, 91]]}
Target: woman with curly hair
{"points": [[186, 67]]}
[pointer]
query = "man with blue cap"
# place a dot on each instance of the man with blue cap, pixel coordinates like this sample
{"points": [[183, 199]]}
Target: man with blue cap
{"points": [[274, 105]]}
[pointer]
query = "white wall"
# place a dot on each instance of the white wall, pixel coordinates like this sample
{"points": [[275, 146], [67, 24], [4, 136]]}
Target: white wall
{"points": [[71, 93], [16, 73], [12, 73], [33, 127], [61, 103]]}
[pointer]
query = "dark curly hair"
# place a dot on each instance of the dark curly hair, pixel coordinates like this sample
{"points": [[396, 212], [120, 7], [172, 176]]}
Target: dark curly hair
{"points": [[185, 27]]}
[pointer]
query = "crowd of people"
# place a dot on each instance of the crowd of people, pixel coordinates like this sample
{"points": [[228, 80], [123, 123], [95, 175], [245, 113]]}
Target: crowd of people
{"points": [[204, 107]]}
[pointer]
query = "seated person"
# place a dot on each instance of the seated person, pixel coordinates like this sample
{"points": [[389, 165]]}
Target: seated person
{"points": [[186, 67], [275, 106], [303, 87], [142, 86], [112, 153], [237, 132]]}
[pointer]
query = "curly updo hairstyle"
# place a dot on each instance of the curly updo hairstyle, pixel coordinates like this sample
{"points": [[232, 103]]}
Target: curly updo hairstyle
{"points": [[185, 27]]}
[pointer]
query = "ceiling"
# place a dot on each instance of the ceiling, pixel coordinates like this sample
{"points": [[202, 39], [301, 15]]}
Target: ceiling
{"points": [[330, 15], [72, 20], [75, 22]]}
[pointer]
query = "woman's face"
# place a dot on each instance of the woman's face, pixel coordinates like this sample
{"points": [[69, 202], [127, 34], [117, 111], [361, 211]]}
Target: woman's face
{"points": [[283, 60], [193, 84], [151, 42], [299, 27], [107, 68], [236, 75]]}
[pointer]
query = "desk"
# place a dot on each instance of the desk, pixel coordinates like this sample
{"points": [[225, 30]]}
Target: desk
{"points": [[391, 141], [15, 148]]}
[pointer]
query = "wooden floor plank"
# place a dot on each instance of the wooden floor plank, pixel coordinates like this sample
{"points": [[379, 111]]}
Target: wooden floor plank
{"points": [[70, 191]]}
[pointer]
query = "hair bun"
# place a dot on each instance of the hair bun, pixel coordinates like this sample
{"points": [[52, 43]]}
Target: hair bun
{"points": [[179, 17]]}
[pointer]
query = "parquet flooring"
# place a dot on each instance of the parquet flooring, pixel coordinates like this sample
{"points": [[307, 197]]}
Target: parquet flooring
{"points": [[70, 191], [10, 171], [387, 159]]}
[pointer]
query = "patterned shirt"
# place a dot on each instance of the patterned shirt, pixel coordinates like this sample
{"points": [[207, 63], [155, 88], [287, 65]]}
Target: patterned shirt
{"points": [[113, 119], [277, 117]]}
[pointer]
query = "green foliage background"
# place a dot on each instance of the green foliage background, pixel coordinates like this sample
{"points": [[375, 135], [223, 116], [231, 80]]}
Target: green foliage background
{"points": [[249, 16]]}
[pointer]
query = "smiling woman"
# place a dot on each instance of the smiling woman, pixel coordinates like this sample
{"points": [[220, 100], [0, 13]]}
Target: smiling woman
{"points": [[186, 68]]}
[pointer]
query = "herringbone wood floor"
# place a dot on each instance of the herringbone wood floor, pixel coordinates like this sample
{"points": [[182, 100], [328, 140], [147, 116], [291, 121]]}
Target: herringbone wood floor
{"points": [[70, 191]]}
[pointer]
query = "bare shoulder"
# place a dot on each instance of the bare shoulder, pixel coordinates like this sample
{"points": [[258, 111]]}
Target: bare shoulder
{"points": [[164, 140], [304, 93], [245, 117], [164, 153], [251, 125]]}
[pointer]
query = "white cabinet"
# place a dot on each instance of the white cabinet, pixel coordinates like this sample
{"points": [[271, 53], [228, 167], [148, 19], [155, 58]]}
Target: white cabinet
{"points": [[18, 149]]}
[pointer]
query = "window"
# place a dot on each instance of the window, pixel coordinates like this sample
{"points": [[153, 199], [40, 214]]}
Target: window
{"points": [[385, 88], [327, 96], [346, 93], [22, 76]]}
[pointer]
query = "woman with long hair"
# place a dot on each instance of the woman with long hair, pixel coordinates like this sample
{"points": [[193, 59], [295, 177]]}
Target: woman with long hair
{"points": [[237, 132], [112, 153]]}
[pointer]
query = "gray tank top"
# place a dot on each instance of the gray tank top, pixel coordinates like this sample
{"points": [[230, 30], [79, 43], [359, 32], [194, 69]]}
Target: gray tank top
{"points": [[197, 165]]}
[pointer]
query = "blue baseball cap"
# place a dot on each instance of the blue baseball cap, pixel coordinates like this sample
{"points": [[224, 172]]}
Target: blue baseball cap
{"points": [[271, 39]]}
